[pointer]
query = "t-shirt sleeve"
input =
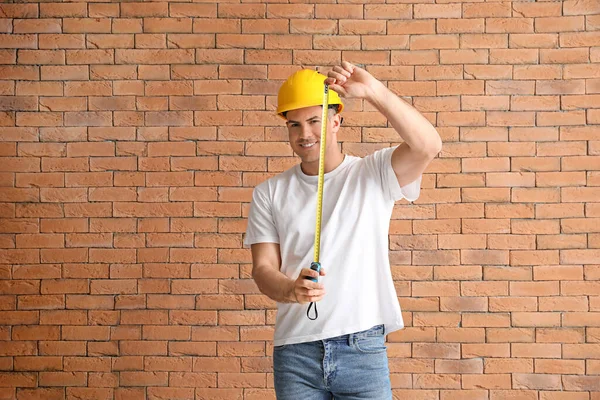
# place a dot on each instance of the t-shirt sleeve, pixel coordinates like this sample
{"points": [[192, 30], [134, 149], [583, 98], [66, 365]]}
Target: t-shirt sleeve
{"points": [[261, 225], [382, 164]]}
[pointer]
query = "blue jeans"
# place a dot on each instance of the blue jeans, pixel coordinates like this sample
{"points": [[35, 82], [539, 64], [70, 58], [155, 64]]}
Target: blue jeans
{"points": [[349, 367]]}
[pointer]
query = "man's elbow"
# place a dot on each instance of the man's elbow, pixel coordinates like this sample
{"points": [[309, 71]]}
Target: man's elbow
{"points": [[434, 146], [429, 151], [255, 273], [258, 275], [436, 149]]}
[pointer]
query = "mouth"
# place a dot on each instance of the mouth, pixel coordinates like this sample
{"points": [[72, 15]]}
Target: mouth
{"points": [[308, 145]]}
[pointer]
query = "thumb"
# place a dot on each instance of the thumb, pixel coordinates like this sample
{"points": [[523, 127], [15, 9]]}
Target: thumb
{"points": [[338, 89]]}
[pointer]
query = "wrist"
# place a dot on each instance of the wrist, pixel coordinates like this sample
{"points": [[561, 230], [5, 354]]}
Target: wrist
{"points": [[377, 93], [291, 292]]}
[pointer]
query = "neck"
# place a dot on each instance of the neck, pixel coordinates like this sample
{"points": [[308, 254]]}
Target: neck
{"points": [[332, 161]]}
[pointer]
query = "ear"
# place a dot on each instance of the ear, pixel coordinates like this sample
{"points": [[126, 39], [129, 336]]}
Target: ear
{"points": [[338, 119], [337, 122]]}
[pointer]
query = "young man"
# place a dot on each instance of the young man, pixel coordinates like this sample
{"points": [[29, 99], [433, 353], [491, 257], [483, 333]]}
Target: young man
{"points": [[341, 353]]}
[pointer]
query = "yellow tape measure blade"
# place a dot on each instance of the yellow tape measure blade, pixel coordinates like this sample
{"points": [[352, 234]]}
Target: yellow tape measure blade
{"points": [[321, 172]]}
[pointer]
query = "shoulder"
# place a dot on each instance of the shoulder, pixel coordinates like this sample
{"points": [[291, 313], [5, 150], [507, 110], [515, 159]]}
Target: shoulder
{"points": [[375, 159], [267, 186]]}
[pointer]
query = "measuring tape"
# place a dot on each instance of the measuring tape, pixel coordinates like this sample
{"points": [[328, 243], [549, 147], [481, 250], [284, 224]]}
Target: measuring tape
{"points": [[315, 265], [321, 173]]}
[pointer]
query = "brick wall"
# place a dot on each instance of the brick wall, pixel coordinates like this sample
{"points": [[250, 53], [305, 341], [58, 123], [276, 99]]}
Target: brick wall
{"points": [[132, 135]]}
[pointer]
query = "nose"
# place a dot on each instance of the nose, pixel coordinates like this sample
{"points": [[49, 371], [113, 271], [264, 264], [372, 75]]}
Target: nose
{"points": [[306, 132]]}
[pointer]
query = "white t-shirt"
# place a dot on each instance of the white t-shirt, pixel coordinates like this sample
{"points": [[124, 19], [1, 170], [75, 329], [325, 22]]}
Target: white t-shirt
{"points": [[358, 199]]}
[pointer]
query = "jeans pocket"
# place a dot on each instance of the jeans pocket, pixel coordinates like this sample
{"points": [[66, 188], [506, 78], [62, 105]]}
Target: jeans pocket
{"points": [[370, 344]]}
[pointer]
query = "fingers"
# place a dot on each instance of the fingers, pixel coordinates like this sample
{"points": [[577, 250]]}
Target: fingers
{"points": [[348, 67], [305, 295], [312, 299], [331, 82], [339, 74], [307, 291], [338, 89], [307, 272], [336, 78]]}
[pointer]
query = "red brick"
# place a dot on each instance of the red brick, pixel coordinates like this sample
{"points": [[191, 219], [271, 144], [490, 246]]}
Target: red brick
{"points": [[487, 381], [19, 11], [22, 348], [424, 42]]}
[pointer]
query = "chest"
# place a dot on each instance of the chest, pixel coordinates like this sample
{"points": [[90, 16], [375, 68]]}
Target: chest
{"points": [[348, 202]]}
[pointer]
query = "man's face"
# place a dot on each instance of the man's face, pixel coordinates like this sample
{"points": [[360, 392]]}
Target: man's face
{"points": [[304, 128]]}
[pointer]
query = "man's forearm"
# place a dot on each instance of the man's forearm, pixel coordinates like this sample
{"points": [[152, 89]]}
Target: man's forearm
{"points": [[411, 125], [274, 284]]}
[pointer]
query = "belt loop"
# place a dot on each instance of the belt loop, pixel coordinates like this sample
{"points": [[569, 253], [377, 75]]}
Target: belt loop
{"points": [[350, 339]]}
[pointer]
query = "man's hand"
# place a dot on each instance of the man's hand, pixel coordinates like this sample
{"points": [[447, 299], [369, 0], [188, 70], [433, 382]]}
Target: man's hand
{"points": [[306, 291], [350, 81]]}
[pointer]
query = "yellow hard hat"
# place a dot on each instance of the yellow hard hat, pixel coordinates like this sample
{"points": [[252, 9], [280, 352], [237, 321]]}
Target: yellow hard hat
{"points": [[304, 88]]}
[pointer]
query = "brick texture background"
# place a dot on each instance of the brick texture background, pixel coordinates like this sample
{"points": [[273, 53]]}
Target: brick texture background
{"points": [[133, 133]]}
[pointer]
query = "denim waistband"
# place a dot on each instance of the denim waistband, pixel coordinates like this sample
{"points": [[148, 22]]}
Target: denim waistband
{"points": [[377, 330]]}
